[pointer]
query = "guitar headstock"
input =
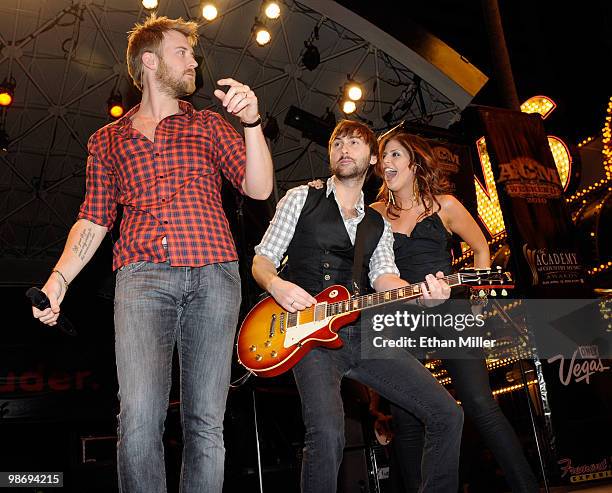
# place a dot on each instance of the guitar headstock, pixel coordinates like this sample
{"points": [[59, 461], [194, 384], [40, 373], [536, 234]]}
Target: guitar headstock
{"points": [[486, 281]]}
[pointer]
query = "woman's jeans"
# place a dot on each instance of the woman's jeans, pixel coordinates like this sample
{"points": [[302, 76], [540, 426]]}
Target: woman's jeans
{"points": [[471, 382], [156, 306], [402, 380]]}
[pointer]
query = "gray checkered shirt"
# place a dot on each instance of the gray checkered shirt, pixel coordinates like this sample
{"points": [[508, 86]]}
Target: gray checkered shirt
{"points": [[276, 240]]}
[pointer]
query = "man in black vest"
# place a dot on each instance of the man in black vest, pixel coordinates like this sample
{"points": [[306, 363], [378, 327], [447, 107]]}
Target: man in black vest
{"points": [[317, 229]]}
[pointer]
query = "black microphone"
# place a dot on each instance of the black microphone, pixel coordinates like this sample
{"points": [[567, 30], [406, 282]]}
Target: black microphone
{"points": [[39, 300]]}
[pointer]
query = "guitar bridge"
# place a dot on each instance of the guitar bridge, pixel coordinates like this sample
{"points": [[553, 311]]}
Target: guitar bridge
{"points": [[273, 325]]}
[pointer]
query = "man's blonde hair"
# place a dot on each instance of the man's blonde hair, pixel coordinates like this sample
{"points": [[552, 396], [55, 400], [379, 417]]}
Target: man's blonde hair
{"points": [[148, 36]]}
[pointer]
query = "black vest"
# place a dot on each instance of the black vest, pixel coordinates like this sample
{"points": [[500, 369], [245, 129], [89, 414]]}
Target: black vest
{"points": [[321, 253]]}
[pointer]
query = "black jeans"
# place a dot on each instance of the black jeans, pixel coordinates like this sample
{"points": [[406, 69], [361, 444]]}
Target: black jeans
{"points": [[471, 382], [402, 380]]}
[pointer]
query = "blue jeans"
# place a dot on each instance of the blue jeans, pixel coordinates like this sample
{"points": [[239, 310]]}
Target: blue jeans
{"points": [[402, 380], [471, 382], [156, 306]]}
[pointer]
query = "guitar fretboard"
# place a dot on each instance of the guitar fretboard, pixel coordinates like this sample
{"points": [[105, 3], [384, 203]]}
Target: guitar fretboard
{"points": [[357, 303]]}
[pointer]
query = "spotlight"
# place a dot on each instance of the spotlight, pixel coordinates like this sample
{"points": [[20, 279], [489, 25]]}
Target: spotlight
{"points": [[271, 129], [353, 90], [7, 91], [114, 106], [311, 57], [209, 11], [355, 93], [149, 4], [262, 35], [349, 106], [4, 141], [272, 10]]}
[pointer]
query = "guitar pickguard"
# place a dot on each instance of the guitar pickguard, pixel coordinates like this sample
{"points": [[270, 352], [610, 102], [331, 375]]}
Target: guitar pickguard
{"points": [[293, 335]]}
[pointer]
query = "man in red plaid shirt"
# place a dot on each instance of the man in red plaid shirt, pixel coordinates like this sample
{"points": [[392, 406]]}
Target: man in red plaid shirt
{"points": [[177, 279]]}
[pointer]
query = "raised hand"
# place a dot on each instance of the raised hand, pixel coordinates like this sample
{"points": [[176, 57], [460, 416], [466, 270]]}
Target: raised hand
{"points": [[239, 100]]}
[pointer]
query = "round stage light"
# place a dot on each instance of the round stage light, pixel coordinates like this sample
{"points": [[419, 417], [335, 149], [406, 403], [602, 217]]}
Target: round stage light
{"points": [[209, 11], [272, 10], [262, 36], [349, 107]]}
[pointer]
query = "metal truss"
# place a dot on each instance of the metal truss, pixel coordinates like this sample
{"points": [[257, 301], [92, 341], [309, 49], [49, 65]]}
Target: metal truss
{"points": [[67, 57]]}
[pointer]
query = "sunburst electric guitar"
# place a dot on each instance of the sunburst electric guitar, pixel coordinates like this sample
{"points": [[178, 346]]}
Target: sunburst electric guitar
{"points": [[272, 340]]}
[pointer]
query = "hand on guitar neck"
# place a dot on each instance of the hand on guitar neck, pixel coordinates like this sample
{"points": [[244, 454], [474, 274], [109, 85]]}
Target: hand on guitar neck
{"points": [[435, 291]]}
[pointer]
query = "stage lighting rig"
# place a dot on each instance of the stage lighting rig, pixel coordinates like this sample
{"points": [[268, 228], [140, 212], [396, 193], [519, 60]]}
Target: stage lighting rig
{"points": [[352, 90], [209, 11], [351, 93], [272, 10], [348, 107], [7, 91], [115, 106], [261, 32]]}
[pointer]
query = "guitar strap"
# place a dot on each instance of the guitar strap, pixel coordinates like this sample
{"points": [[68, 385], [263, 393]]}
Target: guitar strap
{"points": [[362, 230]]}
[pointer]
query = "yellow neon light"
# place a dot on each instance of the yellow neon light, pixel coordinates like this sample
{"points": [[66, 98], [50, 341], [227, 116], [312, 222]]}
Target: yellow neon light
{"points": [[563, 159], [542, 105], [607, 144], [487, 200]]}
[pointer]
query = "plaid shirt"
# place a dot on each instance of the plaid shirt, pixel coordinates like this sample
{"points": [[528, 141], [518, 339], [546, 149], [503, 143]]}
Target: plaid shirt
{"points": [[279, 234], [170, 188]]}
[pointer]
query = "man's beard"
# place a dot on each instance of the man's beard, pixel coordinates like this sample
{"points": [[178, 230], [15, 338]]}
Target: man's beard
{"points": [[351, 172], [173, 87]]}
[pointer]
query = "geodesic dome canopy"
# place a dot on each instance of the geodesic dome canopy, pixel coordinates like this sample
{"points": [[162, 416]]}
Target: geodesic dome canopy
{"points": [[67, 57]]}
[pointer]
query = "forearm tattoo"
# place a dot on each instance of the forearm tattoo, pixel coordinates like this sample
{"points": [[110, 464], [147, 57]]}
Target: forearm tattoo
{"points": [[82, 247]]}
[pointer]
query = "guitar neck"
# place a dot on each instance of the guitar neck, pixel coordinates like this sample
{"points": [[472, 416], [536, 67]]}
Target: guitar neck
{"points": [[372, 300]]}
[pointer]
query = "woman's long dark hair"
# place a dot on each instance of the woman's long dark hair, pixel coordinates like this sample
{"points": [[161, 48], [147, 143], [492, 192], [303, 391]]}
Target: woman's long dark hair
{"points": [[428, 181]]}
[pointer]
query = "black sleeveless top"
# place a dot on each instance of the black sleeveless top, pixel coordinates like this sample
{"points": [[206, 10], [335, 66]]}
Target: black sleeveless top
{"points": [[425, 251]]}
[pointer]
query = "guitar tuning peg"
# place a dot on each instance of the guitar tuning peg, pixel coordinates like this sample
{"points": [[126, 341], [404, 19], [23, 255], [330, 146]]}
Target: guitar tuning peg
{"points": [[493, 292], [504, 292], [499, 269]]}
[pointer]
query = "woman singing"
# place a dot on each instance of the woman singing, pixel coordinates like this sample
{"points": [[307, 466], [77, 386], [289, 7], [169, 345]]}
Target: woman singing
{"points": [[423, 218]]}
